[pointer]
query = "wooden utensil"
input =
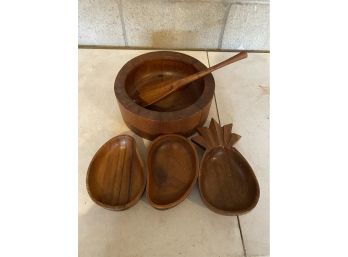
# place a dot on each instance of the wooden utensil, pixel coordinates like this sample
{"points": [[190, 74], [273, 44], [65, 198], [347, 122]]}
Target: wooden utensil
{"points": [[227, 183], [172, 170], [148, 95], [115, 176]]}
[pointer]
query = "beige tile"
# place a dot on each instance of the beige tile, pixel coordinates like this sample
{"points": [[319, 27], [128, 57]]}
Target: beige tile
{"points": [[242, 92], [189, 229]]}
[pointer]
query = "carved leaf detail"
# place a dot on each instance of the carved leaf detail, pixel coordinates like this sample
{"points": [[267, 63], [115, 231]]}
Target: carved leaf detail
{"points": [[215, 135]]}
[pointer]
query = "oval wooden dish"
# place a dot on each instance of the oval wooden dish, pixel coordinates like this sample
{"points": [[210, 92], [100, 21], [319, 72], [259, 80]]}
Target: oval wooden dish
{"points": [[172, 170], [179, 113], [115, 176], [227, 183]]}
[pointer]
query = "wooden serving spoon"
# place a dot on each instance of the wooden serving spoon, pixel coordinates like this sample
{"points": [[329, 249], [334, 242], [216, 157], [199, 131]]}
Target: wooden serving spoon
{"points": [[148, 95]]}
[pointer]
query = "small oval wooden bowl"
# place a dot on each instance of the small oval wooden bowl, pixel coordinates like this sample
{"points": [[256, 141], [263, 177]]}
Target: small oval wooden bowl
{"points": [[180, 113], [115, 176], [172, 170]]}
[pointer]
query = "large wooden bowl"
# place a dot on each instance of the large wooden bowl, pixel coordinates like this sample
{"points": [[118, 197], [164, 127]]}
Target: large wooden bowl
{"points": [[180, 113]]}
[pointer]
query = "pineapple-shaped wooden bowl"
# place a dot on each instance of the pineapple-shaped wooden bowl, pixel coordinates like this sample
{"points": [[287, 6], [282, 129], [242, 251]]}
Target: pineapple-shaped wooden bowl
{"points": [[227, 183]]}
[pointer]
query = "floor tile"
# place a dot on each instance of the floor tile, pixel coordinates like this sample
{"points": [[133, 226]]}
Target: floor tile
{"points": [[242, 93], [189, 229]]}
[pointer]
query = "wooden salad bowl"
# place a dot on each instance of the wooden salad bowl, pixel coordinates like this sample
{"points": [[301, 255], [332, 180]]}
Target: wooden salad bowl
{"points": [[172, 170], [115, 177], [179, 113]]}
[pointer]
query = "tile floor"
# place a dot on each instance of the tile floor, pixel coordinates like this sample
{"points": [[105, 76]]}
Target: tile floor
{"points": [[190, 229]]}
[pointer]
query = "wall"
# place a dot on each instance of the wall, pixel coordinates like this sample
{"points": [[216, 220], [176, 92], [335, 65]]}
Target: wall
{"points": [[177, 24]]}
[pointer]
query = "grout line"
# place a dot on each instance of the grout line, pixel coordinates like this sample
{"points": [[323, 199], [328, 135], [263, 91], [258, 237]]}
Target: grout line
{"points": [[208, 58], [241, 236], [120, 10], [216, 106], [239, 226], [166, 48], [217, 110], [222, 32]]}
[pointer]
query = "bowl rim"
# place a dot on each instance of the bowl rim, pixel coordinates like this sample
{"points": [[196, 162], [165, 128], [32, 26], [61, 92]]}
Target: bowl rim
{"points": [[124, 99]]}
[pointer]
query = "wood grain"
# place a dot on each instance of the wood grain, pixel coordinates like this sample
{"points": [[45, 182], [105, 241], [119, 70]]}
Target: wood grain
{"points": [[115, 177]]}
